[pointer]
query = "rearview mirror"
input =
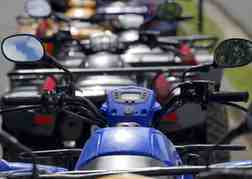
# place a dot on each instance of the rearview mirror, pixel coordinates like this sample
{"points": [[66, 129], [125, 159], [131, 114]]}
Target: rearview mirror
{"points": [[233, 53], [38, 8], [22, 48], [169, 11]]}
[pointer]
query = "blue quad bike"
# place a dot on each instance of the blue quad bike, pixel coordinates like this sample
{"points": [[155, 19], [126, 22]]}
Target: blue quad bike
{"points": [[125, 140]]}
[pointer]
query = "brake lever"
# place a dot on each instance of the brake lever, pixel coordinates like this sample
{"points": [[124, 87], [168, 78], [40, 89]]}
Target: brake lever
{"points": [[172, 104], [196, 91], [212, 43]]}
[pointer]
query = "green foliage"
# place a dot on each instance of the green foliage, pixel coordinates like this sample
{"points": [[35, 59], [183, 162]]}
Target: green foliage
{"points": [[240, 78], [190, 9]]}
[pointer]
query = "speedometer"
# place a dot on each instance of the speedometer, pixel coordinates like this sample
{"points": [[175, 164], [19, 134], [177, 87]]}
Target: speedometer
{"points": [[131, 96]]}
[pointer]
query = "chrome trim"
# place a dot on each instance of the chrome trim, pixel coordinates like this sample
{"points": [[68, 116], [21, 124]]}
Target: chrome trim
{"points": [[124, 162], [103, 60], [121, 162], [108, 80]]}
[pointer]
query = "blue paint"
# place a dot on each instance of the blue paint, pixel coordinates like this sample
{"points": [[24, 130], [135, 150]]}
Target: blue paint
{"points": [[4, 166], [142, 112], [129, 141], [15, 167]]}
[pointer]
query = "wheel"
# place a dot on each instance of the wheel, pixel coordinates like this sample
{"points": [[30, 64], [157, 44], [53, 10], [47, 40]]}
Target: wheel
{"points": [[250, 108], [216, 128]]}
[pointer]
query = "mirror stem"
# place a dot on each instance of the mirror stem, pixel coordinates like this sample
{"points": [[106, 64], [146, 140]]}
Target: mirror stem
{"points": [[61, 67], [51, 59]]}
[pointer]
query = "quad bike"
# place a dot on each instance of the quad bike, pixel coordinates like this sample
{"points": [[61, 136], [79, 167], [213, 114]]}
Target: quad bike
{"points": [[126, 133], [82, 20]]}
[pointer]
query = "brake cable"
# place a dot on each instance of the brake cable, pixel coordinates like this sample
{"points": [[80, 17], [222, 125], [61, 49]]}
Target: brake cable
{"points": [[82, 109], [93, 108], [92, 122], [88, 113]]}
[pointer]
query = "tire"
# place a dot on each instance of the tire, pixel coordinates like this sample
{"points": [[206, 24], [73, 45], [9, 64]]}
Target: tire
{"points": [[250, 108], [216, 128]]}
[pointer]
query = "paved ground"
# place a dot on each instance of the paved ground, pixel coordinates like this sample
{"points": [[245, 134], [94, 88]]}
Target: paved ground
{"points": [[9, 9], [240, 10], [229, 27]]}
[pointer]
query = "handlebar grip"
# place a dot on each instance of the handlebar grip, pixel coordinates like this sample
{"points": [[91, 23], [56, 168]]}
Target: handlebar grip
{"points": [[62, 35], [24, 100], [229, 97], [185, 18]]}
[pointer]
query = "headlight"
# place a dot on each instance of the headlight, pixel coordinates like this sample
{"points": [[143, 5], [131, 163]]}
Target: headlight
{"points": [[104, 41], [130, 21]]}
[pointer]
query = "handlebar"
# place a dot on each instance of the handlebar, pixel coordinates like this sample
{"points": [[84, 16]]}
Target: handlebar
{"points": [[24, 100], [197, 91], [208, 42], [33, 100], [202, 92], [184, 18], [229, 97], [90, 113], [59, 36], [47, 39]]}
